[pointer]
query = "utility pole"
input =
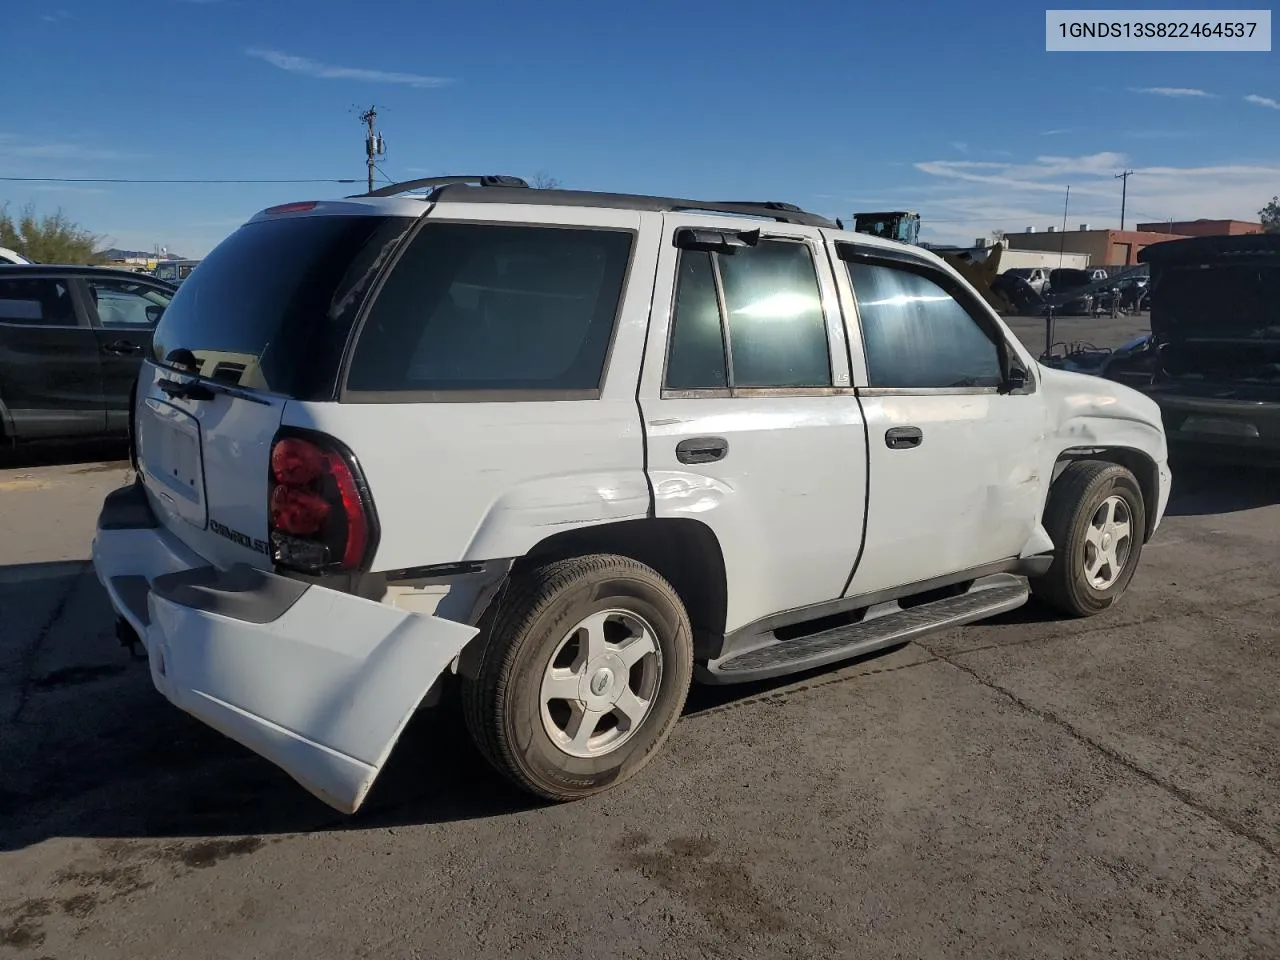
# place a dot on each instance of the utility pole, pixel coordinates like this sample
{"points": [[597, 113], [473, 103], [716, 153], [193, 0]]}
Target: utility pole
{"points": [[374, 146], [1124, 192], [1062, 241]]}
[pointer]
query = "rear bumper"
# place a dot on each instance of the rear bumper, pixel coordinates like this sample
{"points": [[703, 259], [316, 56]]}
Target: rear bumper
{"points": [[320, 683]]}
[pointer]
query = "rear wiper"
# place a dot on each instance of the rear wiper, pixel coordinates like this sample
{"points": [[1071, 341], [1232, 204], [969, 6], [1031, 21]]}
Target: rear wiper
{"points": [[188, 390]]}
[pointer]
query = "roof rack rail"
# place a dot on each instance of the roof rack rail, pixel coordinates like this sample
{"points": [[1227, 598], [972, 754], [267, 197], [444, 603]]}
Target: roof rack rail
{"points": [[479, 189], [480, 180]]}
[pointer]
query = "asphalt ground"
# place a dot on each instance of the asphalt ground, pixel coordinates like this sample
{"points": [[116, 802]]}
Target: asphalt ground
{"points": [[1025, 787]]}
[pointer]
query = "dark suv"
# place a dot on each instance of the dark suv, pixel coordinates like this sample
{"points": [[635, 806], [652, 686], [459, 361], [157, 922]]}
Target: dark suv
{"points": [[71, 341]]}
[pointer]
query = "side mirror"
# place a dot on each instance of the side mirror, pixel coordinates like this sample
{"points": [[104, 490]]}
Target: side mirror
{"points": [[1015, 379]]}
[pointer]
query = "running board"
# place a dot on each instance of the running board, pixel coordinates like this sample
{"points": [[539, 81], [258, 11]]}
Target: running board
{"points": [[883, 625]]}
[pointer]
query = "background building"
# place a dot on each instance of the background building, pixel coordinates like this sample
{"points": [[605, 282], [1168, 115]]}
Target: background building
{"points": [[1106, 248], [1203, 228]]}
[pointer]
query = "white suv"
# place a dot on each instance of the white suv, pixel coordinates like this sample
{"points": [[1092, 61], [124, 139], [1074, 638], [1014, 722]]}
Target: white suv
{"points": [[571, 450]]}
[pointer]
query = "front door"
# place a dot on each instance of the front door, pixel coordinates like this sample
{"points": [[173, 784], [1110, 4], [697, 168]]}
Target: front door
{"points": [[953, 479], [124, 314], [50, 377], [751, 425]]}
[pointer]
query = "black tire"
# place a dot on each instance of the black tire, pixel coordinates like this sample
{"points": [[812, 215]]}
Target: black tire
{"points": [[503, 707], [1074, 499]]}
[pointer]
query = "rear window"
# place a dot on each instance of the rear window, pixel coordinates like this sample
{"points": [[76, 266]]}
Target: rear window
{"points": [[271, 307], [1223, 300], [485, 307]]}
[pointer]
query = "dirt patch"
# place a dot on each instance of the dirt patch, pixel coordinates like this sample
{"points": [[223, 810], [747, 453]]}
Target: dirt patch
{"points": [[719, 888], [22, 930], [206, 853], [79, 906]]}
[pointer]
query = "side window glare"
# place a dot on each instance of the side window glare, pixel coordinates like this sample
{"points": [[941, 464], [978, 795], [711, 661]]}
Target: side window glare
{"points": [[772, 320], [917, 335]]}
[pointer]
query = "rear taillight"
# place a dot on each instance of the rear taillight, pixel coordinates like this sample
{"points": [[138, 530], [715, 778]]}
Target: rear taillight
{"points": [[321, 516]]}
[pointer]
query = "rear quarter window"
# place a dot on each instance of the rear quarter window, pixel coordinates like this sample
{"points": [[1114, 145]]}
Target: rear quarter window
{"points": [[494, 308]]}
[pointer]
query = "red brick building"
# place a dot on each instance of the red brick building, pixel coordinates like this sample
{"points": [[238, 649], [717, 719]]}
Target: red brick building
{"points": [[1106, 248]]}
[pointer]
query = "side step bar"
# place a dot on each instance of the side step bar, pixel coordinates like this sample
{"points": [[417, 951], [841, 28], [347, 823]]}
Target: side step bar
{"points": [[883, 625]]}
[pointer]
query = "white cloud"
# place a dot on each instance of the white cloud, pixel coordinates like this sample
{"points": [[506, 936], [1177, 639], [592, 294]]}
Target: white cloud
{"points": [[1056, 132], [1263, 101], [314, 68], [983, 195], [959, 146], [1173, 91], [13, 147]]}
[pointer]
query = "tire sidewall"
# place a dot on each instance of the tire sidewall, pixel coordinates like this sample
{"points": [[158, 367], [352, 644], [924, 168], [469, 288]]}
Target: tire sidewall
{"points": [[531, 748], [1117, 484]]}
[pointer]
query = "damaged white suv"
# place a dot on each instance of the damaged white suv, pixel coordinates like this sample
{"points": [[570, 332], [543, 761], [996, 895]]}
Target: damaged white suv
{"points": [[573, 450]]}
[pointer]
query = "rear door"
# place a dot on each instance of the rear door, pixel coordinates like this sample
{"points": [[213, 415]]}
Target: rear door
{"points": [[262, 322], [953, 454], [124, 313], [50, 376], [751, 423]]}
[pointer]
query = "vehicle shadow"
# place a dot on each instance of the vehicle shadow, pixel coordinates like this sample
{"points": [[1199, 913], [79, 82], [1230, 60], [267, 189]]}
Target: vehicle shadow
{"points": [[56, 454], [1201, 488]]}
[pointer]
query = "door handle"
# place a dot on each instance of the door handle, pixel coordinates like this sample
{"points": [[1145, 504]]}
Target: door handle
{"points": [[900, 438], [122, 347], [702, 449]]}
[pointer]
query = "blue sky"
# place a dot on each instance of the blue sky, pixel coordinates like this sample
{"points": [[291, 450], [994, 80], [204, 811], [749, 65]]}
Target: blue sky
{"points": [[952, 109]]}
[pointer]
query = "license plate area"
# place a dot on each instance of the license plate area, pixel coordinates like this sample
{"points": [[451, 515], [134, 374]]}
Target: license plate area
{"points": [[171, 460]]}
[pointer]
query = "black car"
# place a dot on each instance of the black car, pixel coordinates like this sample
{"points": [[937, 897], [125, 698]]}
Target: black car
{"points": [[71, 341], [1064, 280], [1212, 361]]}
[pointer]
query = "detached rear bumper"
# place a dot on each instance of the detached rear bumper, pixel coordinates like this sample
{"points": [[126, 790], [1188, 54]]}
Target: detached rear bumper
{"points": [[319, 682]]}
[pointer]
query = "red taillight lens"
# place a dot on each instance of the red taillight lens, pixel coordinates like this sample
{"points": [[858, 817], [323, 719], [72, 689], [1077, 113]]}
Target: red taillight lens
{"points": [[296, 511], [295, 462], [301, 206], [320, 517]]}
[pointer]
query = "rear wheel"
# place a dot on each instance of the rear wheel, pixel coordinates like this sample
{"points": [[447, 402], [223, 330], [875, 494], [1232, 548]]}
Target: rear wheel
{"points": [[584, 676], [1096, 518]]}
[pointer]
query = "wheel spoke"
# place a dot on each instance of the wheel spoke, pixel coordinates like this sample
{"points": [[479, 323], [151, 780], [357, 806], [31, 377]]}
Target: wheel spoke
{"points": [[561, 685], [637, 648], [582, 725], [592, 636], [1120, 531], [1094, 535], [1108, 510], [1094, 565], [631, 708]]}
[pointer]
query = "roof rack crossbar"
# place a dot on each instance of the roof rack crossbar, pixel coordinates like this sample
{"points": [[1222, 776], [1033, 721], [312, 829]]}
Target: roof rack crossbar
{"points": [[481, 180]]}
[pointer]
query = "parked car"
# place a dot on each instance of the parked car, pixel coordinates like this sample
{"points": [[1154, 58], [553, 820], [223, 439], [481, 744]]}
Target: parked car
{"points": [[71, 342], [1214, 352], [8, 257], [1065, 279], [174, 271], [571, 450], [1036, 277]]}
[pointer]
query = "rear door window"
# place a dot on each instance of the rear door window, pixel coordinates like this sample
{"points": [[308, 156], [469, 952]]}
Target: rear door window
{"points": [[276, 300], [37, 302], [494, 308]]}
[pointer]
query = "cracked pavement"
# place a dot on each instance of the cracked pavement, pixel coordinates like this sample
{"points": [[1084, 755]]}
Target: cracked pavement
{"points": [[1025, 787]]}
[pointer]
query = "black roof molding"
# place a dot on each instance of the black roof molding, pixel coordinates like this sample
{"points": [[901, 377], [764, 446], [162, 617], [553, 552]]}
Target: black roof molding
{"points": [[503, 189]]}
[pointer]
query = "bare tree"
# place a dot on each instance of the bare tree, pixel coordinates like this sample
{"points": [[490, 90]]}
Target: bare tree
{"points": [[544, 181]]}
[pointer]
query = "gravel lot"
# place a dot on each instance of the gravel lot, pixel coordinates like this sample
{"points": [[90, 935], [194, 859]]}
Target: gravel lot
{"points": [[1021, 788]]}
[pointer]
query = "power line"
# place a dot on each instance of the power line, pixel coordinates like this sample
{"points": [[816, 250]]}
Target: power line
{"points": [[132, 180]]}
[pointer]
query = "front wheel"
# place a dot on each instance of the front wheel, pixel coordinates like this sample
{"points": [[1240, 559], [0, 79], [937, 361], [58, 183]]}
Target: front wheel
{"points": [[584, 676], [1097, 519]]}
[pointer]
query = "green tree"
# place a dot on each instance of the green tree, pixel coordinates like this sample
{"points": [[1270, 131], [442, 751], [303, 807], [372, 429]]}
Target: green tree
{"points": [[52, 238], [1270, 216]]}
